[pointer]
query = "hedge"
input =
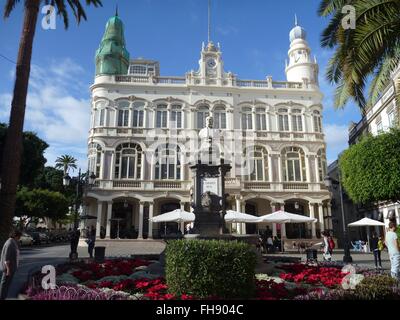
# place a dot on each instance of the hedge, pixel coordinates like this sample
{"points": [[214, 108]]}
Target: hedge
{"points": [[210, 268]]}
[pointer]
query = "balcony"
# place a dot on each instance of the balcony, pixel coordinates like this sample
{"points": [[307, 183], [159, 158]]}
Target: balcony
{"points": [[226, 82], [230, 184]]}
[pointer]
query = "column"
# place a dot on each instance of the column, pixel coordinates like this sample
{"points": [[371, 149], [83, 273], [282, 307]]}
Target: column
{"points": [[283, 226], [321, 217], [102, 157], [182, 223], [99, 218], [112, 168], [312, 215], [150, 233], [238, 208], [109, 216], [141, 205], [274, 233]]}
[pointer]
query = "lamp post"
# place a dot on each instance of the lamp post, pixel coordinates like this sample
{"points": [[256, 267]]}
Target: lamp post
{"points": [[328, 183], [81, 181]]}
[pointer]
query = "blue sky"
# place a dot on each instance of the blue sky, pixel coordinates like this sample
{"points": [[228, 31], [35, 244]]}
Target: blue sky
{"points": [[254, 36]]}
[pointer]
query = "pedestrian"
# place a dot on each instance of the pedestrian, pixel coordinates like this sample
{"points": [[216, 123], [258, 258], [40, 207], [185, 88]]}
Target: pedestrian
{"points": [[270, 245], [331, 244], [374, 245], [74, 244], [9, 262], [91, 241], [327, 255], [393, 248]]}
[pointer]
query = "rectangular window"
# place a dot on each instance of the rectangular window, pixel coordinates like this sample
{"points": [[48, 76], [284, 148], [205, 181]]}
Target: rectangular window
{"points": [[297, 123], [283, 122], [102, 115], [164, 171], [161, 119], [131, 171], [317, 124], [260, 170], [124, 171], [247, 123], [220, 120], [176, 119], [261, 122], [123, 118]]}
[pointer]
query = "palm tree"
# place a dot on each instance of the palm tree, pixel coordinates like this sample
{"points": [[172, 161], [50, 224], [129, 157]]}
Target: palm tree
{"points": [[66, 162], [365, 55], [11, 160]]}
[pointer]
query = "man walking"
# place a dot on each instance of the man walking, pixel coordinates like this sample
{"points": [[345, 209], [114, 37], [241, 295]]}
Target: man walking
{"points": [[393, 247], [9, 262]]}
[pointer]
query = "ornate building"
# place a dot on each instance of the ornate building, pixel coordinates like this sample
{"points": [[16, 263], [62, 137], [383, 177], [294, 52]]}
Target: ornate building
{"points": [[144, 137]]}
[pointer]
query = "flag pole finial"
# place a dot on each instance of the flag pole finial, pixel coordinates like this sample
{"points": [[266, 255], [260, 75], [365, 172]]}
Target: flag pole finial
{"points": [[295, 20]]}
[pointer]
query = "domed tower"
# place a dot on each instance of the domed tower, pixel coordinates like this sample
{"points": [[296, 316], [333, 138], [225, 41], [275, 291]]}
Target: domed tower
{"points": [[112, 58], [301, 66]]}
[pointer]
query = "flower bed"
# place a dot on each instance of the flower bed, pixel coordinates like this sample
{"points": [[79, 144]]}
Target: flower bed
{"points": [[127, 279], [329, 277]]}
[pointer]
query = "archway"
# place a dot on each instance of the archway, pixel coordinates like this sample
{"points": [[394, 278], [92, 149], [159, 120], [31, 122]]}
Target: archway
{"points": [[167, 205], [123, 223], [250, 208], [297, 230]]}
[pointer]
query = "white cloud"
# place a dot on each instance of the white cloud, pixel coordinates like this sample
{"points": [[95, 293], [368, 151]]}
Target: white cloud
{"points": [[56, 109], [336, 137], [227, 30]]}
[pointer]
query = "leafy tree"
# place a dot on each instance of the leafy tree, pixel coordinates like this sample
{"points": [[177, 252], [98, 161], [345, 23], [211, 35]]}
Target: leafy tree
{"points": [[33, 159], [50, 178], [371, 51], [40, 203], [371, 170], [66, 162], [11, 158]]}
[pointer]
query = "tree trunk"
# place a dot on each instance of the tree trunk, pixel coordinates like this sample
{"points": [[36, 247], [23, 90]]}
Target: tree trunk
{"points": [[13, 144]]}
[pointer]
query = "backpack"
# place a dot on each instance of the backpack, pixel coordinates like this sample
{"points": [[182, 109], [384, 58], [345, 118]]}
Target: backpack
{"points": [[331, 244]]}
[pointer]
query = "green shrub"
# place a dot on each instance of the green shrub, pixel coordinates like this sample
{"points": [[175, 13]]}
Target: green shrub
{"points": [[210, 268], [381, 287]]}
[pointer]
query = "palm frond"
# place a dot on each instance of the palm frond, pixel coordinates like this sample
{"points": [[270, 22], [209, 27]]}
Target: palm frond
{"points": [[9, 7], [328, 7]]}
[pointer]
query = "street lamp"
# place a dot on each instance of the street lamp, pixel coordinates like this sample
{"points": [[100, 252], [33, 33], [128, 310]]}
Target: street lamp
{"points": [[329, 182]]}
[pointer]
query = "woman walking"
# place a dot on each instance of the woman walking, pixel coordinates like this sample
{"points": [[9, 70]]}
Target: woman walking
{"points": [[327, 255], [374, 244]]}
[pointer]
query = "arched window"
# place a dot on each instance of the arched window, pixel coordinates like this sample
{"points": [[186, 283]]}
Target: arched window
{"points": [[261, 119], [219, 116], [176, 117], [283, 120], [256, 163], [293, 164], [247, 119], [297, 120], [168, 162], [138, 112], [321, 156], [202, 113], [128, 161], [123, 114], [317, 121], [161, 116], [94, 159]]}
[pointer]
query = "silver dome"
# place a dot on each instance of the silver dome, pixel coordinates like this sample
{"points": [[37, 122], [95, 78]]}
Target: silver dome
{"points": [[297, 33]]}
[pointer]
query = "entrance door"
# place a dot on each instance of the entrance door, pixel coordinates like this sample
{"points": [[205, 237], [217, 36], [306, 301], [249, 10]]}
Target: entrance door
{"points": [[169, 227], [251, 228], [120, 221], [296, 230]]}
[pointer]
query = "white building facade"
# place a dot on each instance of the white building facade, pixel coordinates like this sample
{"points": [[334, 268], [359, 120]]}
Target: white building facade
{"points": [[144, 137]]}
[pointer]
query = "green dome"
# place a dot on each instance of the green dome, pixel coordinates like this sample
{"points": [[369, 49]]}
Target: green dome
{"points": [[112, 57]]}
